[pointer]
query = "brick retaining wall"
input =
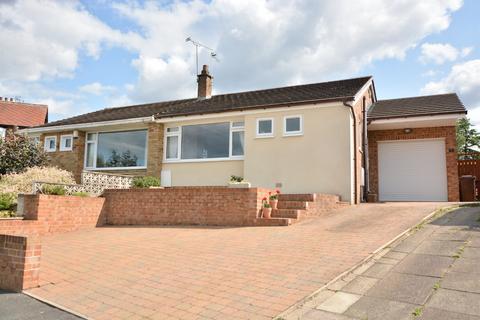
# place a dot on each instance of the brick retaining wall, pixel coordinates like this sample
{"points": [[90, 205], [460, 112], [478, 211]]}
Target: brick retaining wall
{"points": [[217, 206], [19, 262]]}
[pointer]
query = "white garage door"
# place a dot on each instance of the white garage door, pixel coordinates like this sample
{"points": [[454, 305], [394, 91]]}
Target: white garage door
{"points": [[413, 170]]}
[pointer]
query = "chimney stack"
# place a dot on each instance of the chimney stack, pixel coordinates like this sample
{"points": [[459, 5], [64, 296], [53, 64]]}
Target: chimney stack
{"points": [[204, 80]]}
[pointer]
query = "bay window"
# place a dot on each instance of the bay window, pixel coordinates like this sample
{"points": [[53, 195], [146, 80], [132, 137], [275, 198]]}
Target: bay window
{"points": [[110, 150], [224, 140]]}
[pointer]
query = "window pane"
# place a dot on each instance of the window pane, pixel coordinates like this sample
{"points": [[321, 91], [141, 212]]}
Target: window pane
{"points": [[205, 141], [90, 154], [238, 124], [172, 147], [173, 129], [91, 136], [51, 143], [292, 124], [264, 126], [67, 143], [238, 142], [121, 149]]}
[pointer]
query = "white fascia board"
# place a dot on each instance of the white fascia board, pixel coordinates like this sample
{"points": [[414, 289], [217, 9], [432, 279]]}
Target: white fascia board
{"points": [[307, 106], [87, 125], [454, 116]]}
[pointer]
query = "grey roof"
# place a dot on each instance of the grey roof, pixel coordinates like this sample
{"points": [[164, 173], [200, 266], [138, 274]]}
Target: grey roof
{"points": [[269, 98], [416, 106]]}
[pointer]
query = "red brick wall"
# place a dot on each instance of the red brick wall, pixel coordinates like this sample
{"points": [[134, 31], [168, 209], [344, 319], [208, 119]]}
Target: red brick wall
{"points": [[19, 262], [417, 133], [45, 214], [218, 206]]}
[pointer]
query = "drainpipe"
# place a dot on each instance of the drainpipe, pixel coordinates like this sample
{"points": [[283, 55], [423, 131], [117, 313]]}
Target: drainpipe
{"points": [[352, 111], [366, 166]]}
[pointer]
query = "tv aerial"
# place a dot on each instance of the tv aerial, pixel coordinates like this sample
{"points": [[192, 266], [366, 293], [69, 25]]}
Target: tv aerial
{"points": [[197, 45]]}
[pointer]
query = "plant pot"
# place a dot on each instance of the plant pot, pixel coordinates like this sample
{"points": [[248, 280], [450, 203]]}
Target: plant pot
{"points": [[273, 204], [239, 185], [267, 213]]}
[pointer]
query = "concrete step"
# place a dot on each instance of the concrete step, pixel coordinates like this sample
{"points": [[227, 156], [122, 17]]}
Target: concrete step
{"points": [[290, 204], [287, 213], [273, 222], [296, 197]]}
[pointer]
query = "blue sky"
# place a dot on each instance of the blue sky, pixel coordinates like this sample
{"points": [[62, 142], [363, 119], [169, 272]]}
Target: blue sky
{"points": [[94, 54]]}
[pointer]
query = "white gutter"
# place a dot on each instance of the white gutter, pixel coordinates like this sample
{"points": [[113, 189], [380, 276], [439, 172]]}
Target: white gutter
{"points": [[87, 125], [453, 116]]}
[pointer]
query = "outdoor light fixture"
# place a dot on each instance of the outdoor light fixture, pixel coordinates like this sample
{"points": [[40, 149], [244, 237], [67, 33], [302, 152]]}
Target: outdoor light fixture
{"points": [[407, 130], [75, 134]]}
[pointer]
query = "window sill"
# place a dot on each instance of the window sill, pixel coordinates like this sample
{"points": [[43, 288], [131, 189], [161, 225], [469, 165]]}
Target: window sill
{"points": [[205, 160], [264, 137], [298, 134], [116, 168]]}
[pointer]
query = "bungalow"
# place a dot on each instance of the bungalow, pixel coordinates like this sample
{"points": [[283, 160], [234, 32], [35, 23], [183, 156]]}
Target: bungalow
{"points": [[331, 137]]}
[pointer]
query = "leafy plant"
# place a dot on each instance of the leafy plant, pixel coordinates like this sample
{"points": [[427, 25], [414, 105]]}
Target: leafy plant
{"points": [[236, 179], [7, 214], [53, 190], [146, 182], [18, 152], [7, 201], [274, 196], [81, 194], [265, 203]]}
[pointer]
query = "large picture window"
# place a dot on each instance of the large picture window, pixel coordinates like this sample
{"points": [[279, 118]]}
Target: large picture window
{"points": [[125, 149], [223, 140]]}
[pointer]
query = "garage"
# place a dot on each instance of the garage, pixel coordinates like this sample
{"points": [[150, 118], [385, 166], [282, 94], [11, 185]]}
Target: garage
{"points": [[412, 170]]}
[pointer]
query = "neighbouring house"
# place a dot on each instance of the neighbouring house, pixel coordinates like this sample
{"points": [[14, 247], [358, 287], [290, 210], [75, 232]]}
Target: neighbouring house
{"points": [[16, 115], [314, 138]]}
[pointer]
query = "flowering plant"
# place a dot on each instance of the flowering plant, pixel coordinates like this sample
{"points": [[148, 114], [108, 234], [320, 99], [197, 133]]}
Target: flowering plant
{"points": [[274, 196], [265, 203]]}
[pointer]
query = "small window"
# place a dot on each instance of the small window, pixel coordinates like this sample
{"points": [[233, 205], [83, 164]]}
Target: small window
{"points": [[265, 128], [238, 124], [173, 129], [293, 126], [66, 143], [50, 144]]}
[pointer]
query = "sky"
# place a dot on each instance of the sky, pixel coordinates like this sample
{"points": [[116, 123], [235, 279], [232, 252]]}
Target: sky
{"points": [[81, 56]]}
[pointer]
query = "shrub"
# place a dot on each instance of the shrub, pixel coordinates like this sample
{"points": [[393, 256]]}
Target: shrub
{"points": [[7, 214], [146, 182], [18, 152], [236, 179], [81, 194], [22, 182], [7, 201], [53, 190]]}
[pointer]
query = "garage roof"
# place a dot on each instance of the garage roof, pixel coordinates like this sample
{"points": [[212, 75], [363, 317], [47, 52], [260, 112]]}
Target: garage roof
{"points": [[417, 106]]}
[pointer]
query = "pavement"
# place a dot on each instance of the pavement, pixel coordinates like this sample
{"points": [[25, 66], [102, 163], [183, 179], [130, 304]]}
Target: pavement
{"points": [[213, 273], [17, 306], [431, 274]]}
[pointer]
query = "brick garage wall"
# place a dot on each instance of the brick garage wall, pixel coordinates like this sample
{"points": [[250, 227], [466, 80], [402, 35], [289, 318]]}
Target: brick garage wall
{"points": [[19, 262], [216, 206], [69, 160], [46, 214], [417, 133]]}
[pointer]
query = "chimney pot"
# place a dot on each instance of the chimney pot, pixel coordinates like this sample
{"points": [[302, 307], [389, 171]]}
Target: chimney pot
{"points": [[204, 80]]}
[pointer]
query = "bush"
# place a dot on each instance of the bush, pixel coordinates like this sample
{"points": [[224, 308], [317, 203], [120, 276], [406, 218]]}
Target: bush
{"points": [[22, 182], [236, 179], [7, 214], [81, 194], [53, 190], [7, 201], [146, 182], [18, 152]]}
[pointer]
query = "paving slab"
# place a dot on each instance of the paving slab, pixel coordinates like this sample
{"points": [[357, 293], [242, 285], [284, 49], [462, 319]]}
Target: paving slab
{"points": [[461, 281], [397, 255], [466, 265], [471, 253], [456, 301], [439, 248], [360, 285], [413, 241], [474, 242], [404, 288], [437, 314], [380, 309], [424, 265], [315, 314], [378, 270], [339, 302], [455, 235]]}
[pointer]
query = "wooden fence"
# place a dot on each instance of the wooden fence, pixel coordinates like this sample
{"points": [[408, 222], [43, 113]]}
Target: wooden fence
{"points": [[469, 165]]}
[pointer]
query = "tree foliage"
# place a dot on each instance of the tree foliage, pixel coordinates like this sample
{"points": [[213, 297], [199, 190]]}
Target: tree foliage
{"points": [[468, 138], [18, 153]]}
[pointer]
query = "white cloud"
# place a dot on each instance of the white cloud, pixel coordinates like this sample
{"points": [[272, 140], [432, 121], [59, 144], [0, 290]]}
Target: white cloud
{"points": [[269, 43], [440, 53], [96, 88], [464, 79]]}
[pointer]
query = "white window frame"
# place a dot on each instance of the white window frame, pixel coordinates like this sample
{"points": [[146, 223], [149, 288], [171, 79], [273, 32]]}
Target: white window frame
{"points": [[179, 141], [63, 138], [265, 135], [46, 146], [95, 142], [292, 133], [3, 132]]}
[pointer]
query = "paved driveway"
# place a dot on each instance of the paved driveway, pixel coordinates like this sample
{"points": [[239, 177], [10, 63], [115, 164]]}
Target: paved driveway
{"points": [[212, 273]]}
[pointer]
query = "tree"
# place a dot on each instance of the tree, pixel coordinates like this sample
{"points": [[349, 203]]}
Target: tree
{"points": [[468, 138], [19, 152]]}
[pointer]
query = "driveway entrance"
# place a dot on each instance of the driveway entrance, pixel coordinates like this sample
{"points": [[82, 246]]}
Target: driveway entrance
{"points": [[212, 273]]}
